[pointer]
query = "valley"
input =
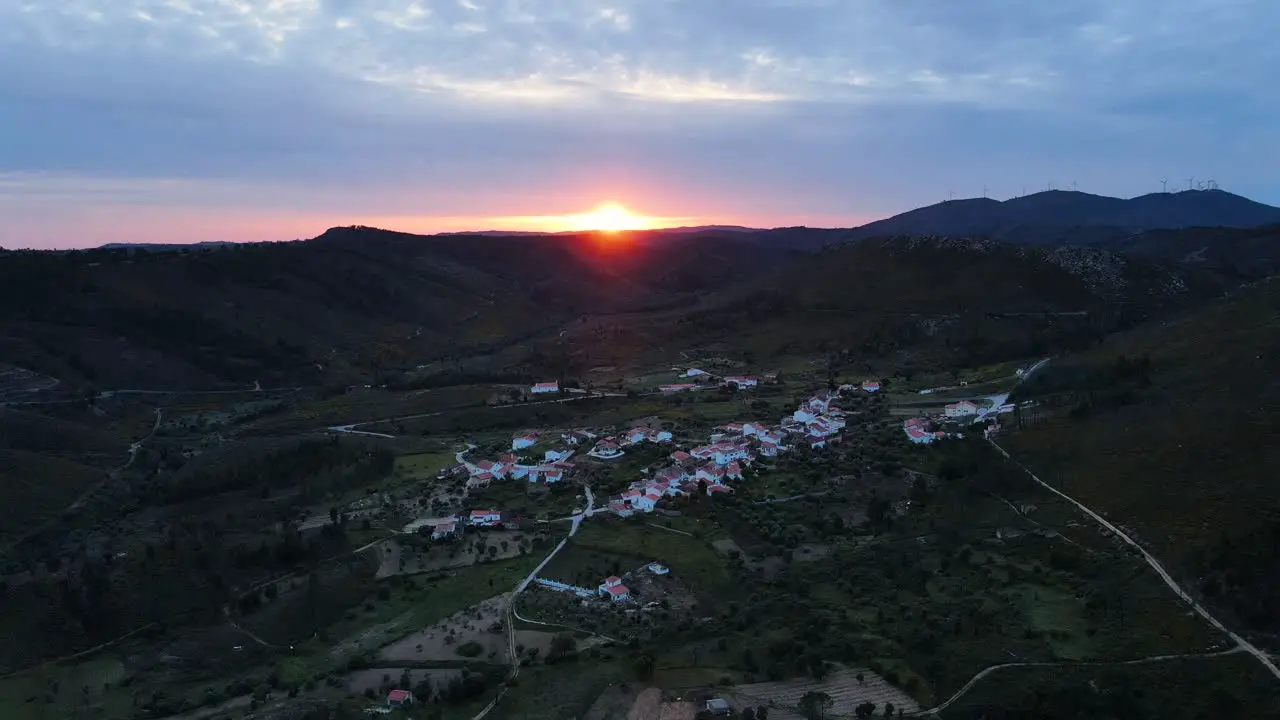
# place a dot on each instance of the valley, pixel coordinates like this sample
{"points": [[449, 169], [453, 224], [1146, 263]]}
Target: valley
{"points": [[939, 475]]}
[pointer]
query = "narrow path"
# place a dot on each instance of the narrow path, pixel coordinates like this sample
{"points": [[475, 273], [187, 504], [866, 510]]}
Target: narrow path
{"points": [[1245, 645], [134, 448], [511, 613], [1140, 661]]}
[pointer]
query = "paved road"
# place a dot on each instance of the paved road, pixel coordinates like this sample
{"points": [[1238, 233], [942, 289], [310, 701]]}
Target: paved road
{"points": [[1245, 645]]}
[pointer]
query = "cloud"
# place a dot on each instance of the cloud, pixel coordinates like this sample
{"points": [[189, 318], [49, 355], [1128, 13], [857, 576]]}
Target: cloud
{"points": [[801, 108]]}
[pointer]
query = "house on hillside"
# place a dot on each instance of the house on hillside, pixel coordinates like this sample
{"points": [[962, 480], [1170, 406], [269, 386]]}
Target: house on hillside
{"points": [[695, 372], [917, 431], [578, 437], [399, 698], [445, 530], [681, 457], [555, 455], [545, 387], [658, 568], [520, 442], [620, 508], [871, 385], [742, 381], [964, 408], [713, 490], [805, 414], [711, 473], [733, 471], [613, 588], [485, 518], [551, 474], [606, 449]]}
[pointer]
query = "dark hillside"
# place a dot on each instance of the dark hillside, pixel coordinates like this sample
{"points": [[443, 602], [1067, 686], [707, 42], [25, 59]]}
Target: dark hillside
{"points": [[352, 303], [919, 301], [1172, 430], [1249, 253]]}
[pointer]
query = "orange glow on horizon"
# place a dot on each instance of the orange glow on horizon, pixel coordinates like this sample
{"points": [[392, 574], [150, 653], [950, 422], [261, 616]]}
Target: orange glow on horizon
{"points": [[610, 217]]}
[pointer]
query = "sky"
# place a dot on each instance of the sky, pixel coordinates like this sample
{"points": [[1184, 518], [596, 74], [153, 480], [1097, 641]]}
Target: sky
{"points": [[247, 120]]}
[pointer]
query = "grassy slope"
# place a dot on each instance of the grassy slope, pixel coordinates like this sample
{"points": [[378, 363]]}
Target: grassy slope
{"points": [[1188, 462]]}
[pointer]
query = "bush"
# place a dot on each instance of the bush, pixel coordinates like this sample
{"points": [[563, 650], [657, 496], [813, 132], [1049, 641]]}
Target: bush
{"points": [[470, 649]]}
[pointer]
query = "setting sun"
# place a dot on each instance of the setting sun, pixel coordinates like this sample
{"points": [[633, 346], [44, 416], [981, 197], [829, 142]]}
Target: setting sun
{"points": [[610, 217]]}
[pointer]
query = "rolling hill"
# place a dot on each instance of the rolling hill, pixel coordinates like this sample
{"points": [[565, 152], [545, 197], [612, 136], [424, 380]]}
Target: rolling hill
{"points": [[345, 305], [1170, 429], [910, 302]]}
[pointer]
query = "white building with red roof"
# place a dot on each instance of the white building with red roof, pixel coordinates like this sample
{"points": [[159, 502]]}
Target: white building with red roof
{"points": [[606, 449], [964, 408], [681, 457], [717, 489], [871, 385], [742, 381], [711, 473], [485, 518], [613, 588], [545, 387], [524, 440]]}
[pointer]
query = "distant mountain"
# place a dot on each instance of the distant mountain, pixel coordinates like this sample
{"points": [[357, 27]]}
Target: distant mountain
{"points": [[169, 247], [1067, 217]]}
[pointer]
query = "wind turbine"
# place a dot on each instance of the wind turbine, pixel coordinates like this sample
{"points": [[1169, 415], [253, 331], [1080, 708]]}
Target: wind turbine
{"points": [[1073, 186], [1213, 184], [952, 195], [984, 192], [1190, 180], [1164, 186]]}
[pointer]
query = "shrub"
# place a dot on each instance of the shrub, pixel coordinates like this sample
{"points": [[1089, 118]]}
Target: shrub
{"points": [[470, 649]]}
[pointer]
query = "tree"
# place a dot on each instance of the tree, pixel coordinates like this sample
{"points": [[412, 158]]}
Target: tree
{"points": [[748, 714], [888, 709], [762, 712], [643, 666], [815, 705]]}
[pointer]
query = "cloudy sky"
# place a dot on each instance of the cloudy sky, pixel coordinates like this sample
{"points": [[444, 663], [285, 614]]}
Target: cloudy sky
{"points": [[188, 120]]}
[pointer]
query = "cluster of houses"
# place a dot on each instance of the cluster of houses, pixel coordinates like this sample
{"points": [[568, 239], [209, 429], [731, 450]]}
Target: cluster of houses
{"points": [[612, 447], [554, 466], [730, 449], [741, 382]]}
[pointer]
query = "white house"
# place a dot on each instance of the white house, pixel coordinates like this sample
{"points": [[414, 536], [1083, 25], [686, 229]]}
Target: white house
{"points": [[964, 408], [817, 441], [711, 473], [551, 474], [658, 569], [521, 442], [485, 518], [726, 453], [871, 385], [716, 489], [917, 432], [805, 414], [620, 508], [545, 387], [613, 588], [733, 471], [606, 450], [695, 372], [554, 455], [741, 381], [444, 530]]}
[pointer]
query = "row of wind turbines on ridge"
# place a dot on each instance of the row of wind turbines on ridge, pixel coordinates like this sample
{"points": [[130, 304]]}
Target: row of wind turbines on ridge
{"points": [[1164, 187]]}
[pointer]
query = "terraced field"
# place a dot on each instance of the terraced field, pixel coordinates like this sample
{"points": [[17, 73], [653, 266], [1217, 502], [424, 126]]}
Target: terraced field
{"points": [[843, 686]]}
